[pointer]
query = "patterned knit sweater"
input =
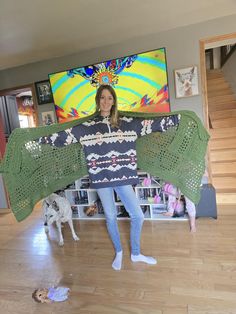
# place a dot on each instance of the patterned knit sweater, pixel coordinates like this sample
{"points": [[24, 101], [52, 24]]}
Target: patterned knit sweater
{"points": [[110, 153], [32, 171]]}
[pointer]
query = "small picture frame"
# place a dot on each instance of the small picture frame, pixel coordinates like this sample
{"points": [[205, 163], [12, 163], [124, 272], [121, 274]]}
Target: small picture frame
{"points": [[186, 82], [48, 118], [44, 92]]}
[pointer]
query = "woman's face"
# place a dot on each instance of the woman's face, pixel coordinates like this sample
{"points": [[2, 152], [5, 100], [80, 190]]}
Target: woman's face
{"points": [[106, 102]]}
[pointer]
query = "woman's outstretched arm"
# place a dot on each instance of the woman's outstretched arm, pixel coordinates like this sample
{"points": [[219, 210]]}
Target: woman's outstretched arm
{"points": [[62, 138], [159, 124]]}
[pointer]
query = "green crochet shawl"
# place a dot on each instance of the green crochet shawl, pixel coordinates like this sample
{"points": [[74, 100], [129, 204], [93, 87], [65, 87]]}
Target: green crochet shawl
{"points": [[32, 171]]}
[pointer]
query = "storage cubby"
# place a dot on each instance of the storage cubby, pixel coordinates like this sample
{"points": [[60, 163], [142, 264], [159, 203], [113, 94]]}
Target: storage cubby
{"points": [[151, 198]]}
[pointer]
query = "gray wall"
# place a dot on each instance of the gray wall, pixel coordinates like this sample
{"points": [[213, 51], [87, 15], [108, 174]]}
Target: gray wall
{"points": [[229, 70], [3, 198], [182, 46]]}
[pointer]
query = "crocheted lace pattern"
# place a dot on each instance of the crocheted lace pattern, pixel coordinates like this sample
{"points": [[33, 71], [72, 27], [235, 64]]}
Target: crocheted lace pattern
{"points": [[32, 171]]}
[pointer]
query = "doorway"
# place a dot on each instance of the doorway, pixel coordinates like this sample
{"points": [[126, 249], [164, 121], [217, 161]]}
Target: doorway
{"points": [[18, 109], [219, 108], [205, 44]]}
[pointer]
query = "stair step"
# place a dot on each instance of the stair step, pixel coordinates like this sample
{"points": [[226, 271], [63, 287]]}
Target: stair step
{"points": [[221, 106], [223, 123], [226, 191], [219, 78], [222, 114], [223, 168], [226, 198], [219, 99], [223, 155], [222, 133], [215, 85], [224, 143], [220, 92], [218, 85], [214, 75], [224, 182]]}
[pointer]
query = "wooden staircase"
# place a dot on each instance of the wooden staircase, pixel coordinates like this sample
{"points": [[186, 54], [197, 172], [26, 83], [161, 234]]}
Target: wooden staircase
{"points": [[222, 119]]}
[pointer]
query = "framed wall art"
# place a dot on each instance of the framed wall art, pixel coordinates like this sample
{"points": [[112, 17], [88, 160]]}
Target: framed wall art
{"points": [[186, 82], [48, 118], [44, 93]]}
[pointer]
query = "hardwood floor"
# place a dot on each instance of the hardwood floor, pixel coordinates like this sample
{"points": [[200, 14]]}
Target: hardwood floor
{"points": [[196, 273]]}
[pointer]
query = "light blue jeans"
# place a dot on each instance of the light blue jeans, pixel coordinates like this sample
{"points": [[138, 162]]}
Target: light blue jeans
{"points": [[130, 201]]}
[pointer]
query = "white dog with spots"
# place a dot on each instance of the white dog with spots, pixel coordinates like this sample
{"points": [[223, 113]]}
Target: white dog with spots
{"points": [[57, 209]]}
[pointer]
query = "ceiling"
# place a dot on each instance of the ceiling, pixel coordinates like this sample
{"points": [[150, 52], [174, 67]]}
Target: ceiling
{"points": [[35, 30]]}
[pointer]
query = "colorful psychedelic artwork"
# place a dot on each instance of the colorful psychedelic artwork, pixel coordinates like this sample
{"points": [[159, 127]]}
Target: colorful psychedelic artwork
{"points": [[140, 82]]}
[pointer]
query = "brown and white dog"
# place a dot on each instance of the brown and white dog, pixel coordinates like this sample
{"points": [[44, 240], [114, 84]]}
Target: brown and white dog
{"points": [[57, 209]]}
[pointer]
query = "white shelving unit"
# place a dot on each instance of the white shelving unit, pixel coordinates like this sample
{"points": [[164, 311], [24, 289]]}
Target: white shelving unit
{"points": [[81, 196]]}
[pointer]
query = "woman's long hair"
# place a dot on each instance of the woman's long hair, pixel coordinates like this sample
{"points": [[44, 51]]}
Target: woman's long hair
{"points": [[114, 116]]}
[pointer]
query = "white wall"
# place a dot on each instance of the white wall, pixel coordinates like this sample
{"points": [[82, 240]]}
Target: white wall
{"points": [[182, 46]]}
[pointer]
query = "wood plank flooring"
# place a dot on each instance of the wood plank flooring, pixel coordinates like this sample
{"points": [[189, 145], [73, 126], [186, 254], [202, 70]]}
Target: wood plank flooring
{"points": [[196, 273]]}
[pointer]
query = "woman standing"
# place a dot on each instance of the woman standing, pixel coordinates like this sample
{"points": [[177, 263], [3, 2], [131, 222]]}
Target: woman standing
{"points": [[109, 145]]}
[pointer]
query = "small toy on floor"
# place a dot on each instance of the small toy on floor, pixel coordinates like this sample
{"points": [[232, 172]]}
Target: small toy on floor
{"points": [[49, 295]]}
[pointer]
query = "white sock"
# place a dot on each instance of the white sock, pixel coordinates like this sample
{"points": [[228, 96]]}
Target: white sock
{"points": [[142, 258], [117, 263]]}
